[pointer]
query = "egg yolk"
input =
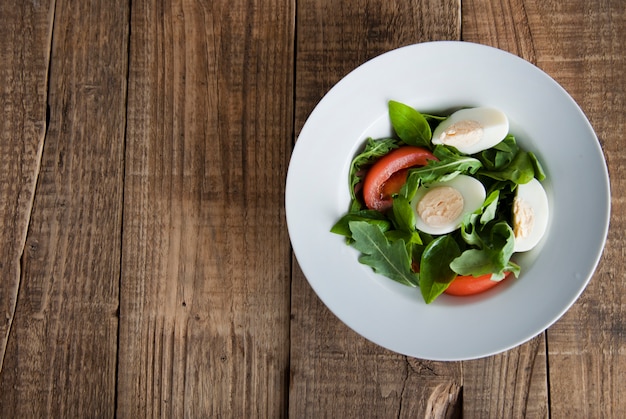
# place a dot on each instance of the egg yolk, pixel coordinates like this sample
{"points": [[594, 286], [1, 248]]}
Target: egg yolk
{"points": [[463, 133], [440, 206], [523, 218]]}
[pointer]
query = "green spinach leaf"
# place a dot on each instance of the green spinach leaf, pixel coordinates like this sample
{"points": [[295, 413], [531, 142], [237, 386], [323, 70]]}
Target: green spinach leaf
{"points": [[435, 271], [409, 124]]}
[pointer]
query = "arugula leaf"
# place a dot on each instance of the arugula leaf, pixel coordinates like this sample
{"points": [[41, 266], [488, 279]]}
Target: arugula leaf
{"points": [[435, 271], [520, 170], [539, 173], [474, 262], [469, 230], [403, 215], [495, 247], [492, 239], [385, 258], [450, 164], [436, 118], [409, 237], [489, 207], [374, 149], [499, 156], [403, 219], [390, 244], [409, 124], [507, 162], [416, 251], [512, 267], [373, 217]]}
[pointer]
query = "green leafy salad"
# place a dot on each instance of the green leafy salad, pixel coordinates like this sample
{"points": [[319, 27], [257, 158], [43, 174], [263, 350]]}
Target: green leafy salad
{"points": [[446, 202]]}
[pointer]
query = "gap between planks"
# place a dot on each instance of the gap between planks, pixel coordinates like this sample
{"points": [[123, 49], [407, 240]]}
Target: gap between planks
{"points": [[35, 180]]}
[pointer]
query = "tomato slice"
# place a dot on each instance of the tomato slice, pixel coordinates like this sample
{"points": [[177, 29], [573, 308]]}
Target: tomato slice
{"points": [[394, 183], [470, 285], [387, 175]]}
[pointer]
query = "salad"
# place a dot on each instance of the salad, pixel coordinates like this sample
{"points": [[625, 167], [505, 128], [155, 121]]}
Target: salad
{"points": [[446, 202]]}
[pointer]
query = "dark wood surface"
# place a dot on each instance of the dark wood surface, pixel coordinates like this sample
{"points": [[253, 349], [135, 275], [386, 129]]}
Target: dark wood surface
{"points": [[145, 264]]}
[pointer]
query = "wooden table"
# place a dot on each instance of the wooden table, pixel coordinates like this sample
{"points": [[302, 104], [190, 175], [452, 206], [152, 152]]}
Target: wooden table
{"points": [[145, 264]]}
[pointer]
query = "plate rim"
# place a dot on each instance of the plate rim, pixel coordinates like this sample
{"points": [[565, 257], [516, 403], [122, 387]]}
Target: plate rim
{"points": [[298, 252]]}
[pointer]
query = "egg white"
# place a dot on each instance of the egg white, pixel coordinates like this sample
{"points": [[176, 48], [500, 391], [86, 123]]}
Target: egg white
{"points": [[472, 191], [534, 196], [494, 124]]}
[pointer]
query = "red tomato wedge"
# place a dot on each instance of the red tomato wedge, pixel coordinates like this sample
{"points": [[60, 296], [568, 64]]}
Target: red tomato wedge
{"points": [[388, 174], [470, 285]]}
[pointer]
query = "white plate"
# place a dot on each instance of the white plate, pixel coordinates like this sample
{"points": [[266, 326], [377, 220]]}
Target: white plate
{"points": [[435, 77]]}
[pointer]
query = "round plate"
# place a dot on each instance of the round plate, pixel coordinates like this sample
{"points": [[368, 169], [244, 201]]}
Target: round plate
{"points": [[436, 77]]}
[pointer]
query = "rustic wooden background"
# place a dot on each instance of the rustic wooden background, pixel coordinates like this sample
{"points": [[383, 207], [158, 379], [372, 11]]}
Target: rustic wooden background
{"points": [[145, 265]]}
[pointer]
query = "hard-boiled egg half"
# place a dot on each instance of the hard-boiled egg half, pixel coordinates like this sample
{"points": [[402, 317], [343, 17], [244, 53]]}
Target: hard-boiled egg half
{"points": [[472, 130], [440, 207], [530, 215]]}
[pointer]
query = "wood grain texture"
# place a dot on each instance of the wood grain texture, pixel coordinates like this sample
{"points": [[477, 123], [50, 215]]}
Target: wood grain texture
{"points": [[25, 36], [145, 267], [503, 24], [205, 273], [513, 383], [335, 38], [580, 44], [61, 355], [335, 372]]}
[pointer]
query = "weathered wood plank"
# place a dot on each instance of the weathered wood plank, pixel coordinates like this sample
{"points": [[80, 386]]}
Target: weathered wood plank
{"points": [[508, 385], [581, 44], [335, 372], [25, 36], [61, 355], [514, 383], [204, 323]]}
